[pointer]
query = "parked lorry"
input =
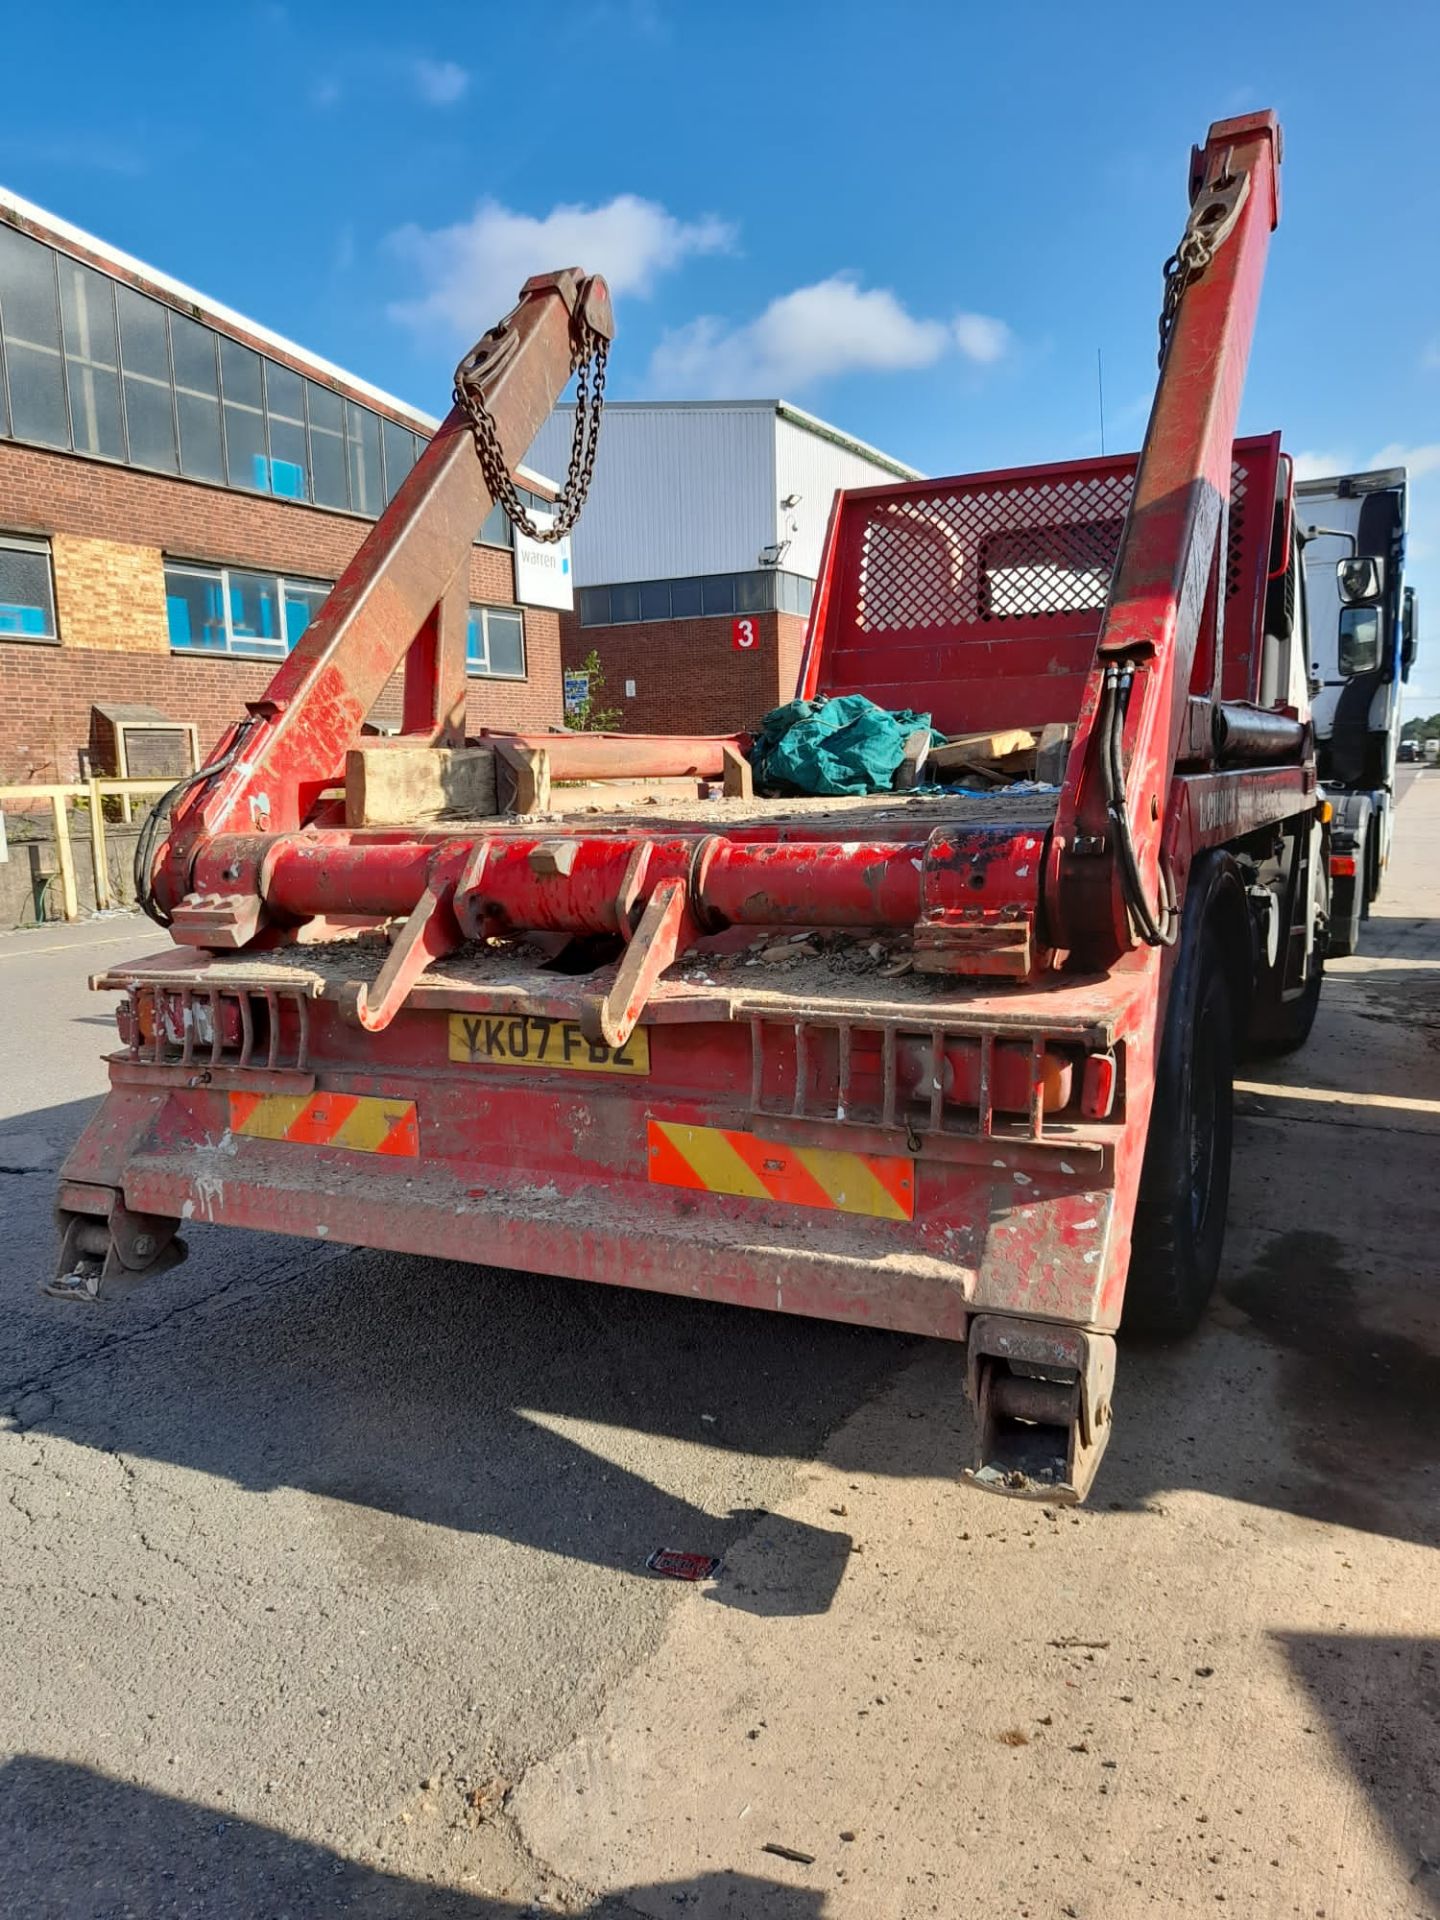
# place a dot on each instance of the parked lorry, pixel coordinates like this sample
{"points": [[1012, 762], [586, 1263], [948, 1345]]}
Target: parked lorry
{"points": [[1364, 634], [989, 1097]]}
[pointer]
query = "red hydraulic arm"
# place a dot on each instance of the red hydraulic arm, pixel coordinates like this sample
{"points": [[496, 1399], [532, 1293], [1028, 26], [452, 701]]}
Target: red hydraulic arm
{"points": [[404, 597], [1114, 805]]}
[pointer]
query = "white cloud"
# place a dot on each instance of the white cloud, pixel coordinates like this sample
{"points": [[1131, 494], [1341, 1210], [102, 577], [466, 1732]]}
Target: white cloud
{"points": [[980, 338], [1418, 461], [815, 333], [471, 273], [1320, 465], [440, 83]]}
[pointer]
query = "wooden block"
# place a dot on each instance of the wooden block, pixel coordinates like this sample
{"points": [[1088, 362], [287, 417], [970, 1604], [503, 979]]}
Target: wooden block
{"points": [[523, 778], [990, 746], [394, 785], [917, 751], [736, 774]]}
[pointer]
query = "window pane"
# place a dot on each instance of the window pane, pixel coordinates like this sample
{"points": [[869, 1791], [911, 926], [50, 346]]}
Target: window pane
{"points": [[87, 307], [195, 608], [328, 485], [143, 347], [240, 374], [255, 613], [754, 592], [200, 454], [718, 593], [362, 433], [194, 350], [655, 600], [27, 600], [287, 459], [150, 423], [506, 634], [399, 457], [246, 464], [684, 599], [624, 604], [303, 600], [37, 395], [495, 529], [476, 657], [27, 290], [594, 606], [283, 392]]}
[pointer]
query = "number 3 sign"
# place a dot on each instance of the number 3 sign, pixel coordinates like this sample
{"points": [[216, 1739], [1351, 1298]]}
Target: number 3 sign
{"points": [[743, 635]]}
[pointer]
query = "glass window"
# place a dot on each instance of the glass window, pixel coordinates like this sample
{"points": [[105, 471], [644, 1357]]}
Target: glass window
{"points": [[495, 528], [624, 604], [87, 308], [145, 360], [246, 455], [754, 592], [197, 401], [594, 606], [285, 407], [328, 485], [362, 435], [655, 600], [27, 590], [684, 599], [399, 456], [31, 321], [195, 608], [256, 614], [303, 600], [224, 610], [718, 593], [495, 643]]}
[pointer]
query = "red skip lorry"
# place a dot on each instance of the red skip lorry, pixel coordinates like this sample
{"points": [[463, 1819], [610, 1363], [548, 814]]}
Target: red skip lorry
{"points": [[953, 1062]]}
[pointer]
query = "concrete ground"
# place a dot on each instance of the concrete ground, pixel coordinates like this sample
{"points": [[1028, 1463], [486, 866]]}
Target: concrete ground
{"points": [[322, 1580]]}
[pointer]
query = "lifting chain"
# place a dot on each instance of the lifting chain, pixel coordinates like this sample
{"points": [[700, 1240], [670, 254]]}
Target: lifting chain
{"points": [[1213, 214], [588, 354]]}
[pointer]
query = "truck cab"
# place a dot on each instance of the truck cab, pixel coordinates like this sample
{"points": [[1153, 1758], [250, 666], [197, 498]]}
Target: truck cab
{"points": [[1363, 640]]}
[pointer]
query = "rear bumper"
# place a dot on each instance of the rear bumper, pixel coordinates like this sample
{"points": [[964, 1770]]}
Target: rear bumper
{"points": [[559, 1181]]}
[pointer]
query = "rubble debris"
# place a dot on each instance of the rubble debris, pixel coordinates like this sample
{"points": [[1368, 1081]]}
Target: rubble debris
{"points": [[789, 1853], [675, 1564]]}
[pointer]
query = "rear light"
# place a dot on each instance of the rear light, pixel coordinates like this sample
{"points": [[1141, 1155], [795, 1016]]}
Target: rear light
{"points": [[1097, 1089], [1342, 865]]}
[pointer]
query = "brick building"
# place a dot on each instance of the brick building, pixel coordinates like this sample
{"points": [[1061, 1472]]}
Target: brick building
{"points": [[698, 550], [179, 488]]}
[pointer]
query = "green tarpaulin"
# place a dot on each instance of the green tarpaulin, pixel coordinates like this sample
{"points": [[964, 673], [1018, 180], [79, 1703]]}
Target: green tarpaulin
{"points": [[845, 745]]}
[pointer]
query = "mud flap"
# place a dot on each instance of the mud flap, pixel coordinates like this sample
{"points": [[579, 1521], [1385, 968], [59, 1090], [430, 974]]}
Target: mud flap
{"points": [[1042, 1396]]}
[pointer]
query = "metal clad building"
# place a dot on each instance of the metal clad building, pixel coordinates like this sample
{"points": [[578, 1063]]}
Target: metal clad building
{"points": [[697, 553]]}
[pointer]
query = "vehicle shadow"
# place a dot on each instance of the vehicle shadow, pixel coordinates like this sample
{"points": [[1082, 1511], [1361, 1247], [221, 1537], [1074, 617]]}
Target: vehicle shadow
{"points": [[81, 1845], [508, 1404], [1380, 1697]]}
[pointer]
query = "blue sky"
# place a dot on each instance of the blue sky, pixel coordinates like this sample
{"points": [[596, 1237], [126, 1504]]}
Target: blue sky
{"points": [[918, 220]]}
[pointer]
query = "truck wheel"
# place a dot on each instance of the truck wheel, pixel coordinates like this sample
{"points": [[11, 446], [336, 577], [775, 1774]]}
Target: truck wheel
{"points": [[1185, 1182]]}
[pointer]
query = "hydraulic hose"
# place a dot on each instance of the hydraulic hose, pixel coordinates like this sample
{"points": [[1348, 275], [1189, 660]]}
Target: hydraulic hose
{"points": [[1156, 932], [148, 840]]}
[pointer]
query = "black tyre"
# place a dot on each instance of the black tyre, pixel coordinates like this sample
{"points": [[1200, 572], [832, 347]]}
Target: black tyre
{"points": [[1283, 1026], [1185, 1183]]}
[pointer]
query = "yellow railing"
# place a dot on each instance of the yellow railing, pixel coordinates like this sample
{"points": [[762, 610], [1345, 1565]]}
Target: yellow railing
{"points": [[93, 791]]}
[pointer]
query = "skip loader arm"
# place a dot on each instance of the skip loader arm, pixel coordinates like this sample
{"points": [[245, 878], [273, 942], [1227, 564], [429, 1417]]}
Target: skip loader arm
{"points": [[1108, 879], [404, 597]]}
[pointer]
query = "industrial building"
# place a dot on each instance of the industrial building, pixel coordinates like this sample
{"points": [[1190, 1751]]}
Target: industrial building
{"points": [[698, 550], [179, 488]]}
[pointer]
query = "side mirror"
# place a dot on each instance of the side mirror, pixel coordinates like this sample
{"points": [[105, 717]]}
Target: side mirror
{"points": [[1361, 580], [1360, 640], [1409, 631]]}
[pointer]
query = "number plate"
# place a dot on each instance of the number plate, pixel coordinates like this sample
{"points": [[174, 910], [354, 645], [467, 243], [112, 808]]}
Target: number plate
{"points": [[530, 1040]]}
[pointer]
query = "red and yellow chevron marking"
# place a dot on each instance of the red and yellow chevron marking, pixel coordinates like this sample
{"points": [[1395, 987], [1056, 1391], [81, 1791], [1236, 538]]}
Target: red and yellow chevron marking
{"points": [[362, 1122], [723, 1160]]}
